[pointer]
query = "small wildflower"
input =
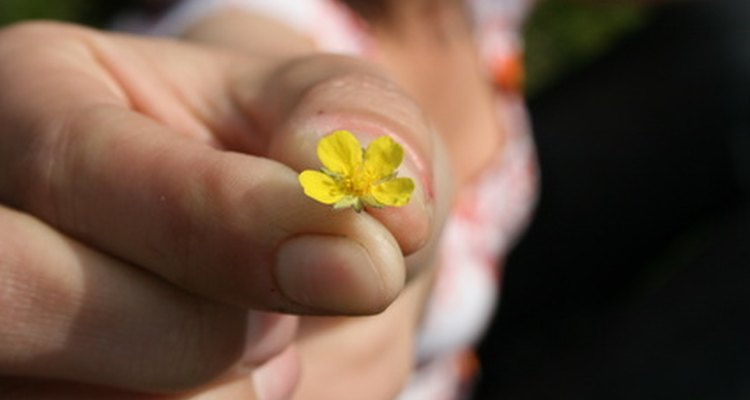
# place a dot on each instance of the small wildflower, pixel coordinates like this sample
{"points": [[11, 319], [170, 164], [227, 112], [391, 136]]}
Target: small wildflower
{"points": [[354, 177]]}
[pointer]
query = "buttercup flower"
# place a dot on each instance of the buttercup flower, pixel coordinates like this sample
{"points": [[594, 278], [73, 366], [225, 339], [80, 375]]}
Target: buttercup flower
{"points": [[354, 177]]}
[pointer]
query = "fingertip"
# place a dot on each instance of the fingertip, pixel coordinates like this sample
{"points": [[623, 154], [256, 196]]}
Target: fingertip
{"points": [[410, 224], [338, 275]]}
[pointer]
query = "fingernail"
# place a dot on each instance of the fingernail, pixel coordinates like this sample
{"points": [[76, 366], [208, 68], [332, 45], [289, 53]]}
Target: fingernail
{"points": [[329, 274], [277, 379]]}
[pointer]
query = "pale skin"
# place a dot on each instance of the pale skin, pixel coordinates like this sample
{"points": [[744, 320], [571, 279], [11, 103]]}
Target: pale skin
{"points": [[151, 215]]}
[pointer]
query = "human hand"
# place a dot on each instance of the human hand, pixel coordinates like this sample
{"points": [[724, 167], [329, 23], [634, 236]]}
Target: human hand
{"points": [[149, 203], [370, 358]]}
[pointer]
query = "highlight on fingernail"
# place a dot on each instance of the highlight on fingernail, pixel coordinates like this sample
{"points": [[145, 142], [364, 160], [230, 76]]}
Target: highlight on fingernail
{"points": [[353, 176]]}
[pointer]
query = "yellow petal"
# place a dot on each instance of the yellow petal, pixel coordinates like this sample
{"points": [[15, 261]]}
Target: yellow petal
{"points": [[321, 187], [393, 192], [382, 157], [340, 152]]}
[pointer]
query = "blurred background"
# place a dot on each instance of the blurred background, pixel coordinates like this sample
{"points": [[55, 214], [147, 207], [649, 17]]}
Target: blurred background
{"points": [[560, 35], [633, 280]]}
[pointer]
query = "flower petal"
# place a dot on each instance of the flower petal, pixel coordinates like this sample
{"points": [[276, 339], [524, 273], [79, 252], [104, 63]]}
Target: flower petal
{"points": [[340, 152], [382, 157], [393, 192], [321, 187]]}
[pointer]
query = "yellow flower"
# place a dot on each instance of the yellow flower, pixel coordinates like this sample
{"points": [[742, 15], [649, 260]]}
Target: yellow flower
{"points": [[354, 177]]}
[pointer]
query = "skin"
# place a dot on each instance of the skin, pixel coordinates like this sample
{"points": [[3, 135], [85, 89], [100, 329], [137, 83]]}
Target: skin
{"points": [[151, 225]]}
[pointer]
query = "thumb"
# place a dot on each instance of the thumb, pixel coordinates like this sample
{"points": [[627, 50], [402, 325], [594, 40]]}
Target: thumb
{"points": [[313, 96]]}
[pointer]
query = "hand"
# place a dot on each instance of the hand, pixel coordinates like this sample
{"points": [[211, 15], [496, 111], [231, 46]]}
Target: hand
{"points": [[151, 200], [372, 357]]}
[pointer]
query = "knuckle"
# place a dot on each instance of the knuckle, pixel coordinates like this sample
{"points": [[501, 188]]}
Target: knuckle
{"points": [[35, 57], [16, 266], [11, 313], [30, 295]]}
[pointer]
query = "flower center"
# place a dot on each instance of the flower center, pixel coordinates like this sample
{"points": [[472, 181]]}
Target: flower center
{"points": [[358, 184]]}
